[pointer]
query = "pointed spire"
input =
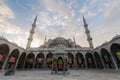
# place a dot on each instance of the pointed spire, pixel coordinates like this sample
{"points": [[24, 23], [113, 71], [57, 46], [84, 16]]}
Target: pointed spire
{"points": [[84, 21], [89, 38], [74, 39], [30, 39], [35, 20]]}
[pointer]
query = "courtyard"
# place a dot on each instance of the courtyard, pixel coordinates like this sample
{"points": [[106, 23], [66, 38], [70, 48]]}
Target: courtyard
{"points": [[73, 75]]}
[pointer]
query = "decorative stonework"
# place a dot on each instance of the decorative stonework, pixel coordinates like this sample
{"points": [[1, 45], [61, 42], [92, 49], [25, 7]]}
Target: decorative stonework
{"points": [[59, 42]]}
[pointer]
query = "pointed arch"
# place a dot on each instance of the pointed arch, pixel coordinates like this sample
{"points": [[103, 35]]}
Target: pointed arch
{"points": [[80, 60], [60, 64], [39, 60], [115, 50], [12, 59], [106, 58], [98, 60], [70, 60], [21, 61], [29, 61], [49, 60], [89, 60], [4, 51]]}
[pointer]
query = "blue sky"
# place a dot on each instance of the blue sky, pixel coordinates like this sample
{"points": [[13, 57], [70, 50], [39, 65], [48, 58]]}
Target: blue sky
{"points": [[59, 18]]}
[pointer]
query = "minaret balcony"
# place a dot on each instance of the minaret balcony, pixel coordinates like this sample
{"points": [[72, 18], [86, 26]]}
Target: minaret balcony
{"points": [[87, 31], [31, 31], [89, 39]]}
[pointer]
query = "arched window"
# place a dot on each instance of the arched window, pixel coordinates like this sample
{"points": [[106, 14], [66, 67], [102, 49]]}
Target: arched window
{"points": [[115, 50], [21, 61], [4, 51], [12, 59], [49, 60], [29, 61], [80, 60], [70, 60], [39, 60], [98, 60], [90, 60], [106, 58]]}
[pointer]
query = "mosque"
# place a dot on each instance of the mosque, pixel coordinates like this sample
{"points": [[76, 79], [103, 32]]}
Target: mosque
{"points": [[106, 56]]}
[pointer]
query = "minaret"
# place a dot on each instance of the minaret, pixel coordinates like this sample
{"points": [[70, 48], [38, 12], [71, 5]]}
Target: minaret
{"points": [[89, 38], [74, 41], [31, 33]]}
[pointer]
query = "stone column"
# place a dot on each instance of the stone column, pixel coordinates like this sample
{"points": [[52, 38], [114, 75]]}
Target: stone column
{"points": [[33, 67], [5, 63], [94, 60], [85, 61], [114, 62], [102, 61], [17, 61], [24, 61], [75, 63], [44, 63]]}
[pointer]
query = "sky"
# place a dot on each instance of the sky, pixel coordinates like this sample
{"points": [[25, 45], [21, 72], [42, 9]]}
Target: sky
{"points": [[59, 18]]}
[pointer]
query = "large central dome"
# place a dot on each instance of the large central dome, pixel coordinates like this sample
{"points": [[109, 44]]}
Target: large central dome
{"points": [[59, 42]]}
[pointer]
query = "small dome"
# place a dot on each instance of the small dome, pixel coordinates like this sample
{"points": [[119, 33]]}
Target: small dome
{"points": [[116, 37], [105, 43], [3, 38]]}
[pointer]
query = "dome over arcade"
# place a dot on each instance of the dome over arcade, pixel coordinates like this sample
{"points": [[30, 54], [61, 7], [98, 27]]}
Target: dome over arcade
{"points": [[116, 37], [3, 38], [59, 42]]}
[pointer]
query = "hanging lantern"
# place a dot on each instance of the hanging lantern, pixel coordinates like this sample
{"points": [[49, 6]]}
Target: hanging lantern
{"points": [[12, 60], [106, 58], [90, 60], [1, 57], [118, 55]]}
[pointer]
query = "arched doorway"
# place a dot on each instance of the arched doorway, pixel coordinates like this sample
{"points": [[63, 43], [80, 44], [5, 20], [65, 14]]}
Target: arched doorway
{"points": [[60, 64], [70, 60], [115, 50], [89, 60], [29, 61], [21, 61], [106, 58], [80, 60], [39, 60], [49, 60], [12, 59], [98, 60], [4, 51]]}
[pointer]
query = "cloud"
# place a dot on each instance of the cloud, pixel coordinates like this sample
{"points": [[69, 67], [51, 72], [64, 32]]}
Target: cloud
{"points": [[59, 19], [13, 32], [107, 8], [63, 18], [5, 11]]}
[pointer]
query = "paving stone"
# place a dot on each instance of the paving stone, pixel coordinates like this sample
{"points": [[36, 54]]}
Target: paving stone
{"points": [[74, 75]]}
